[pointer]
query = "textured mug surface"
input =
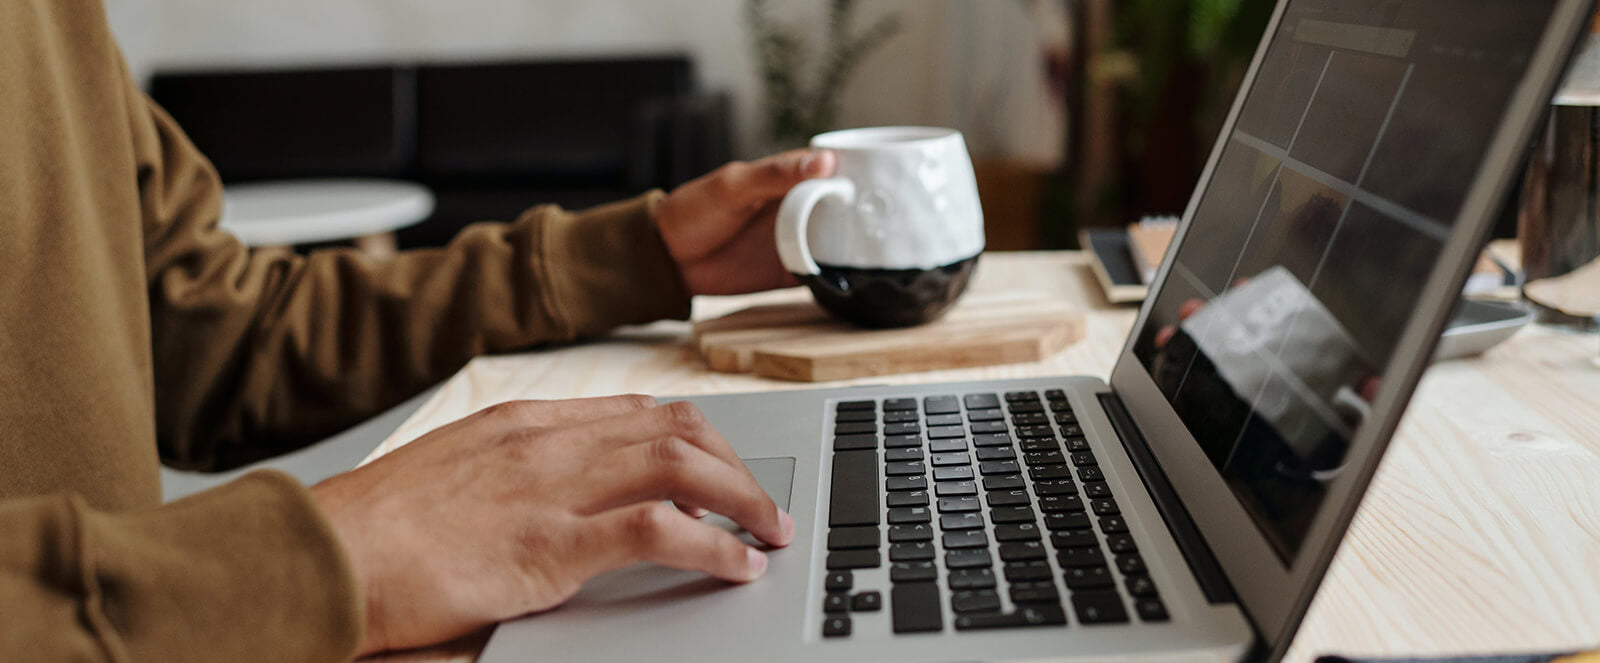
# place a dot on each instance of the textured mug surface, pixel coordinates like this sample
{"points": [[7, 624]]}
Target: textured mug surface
{"points": [[891, 239]]}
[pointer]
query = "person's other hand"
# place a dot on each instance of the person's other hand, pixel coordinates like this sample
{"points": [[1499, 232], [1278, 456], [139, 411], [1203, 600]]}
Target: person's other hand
{"points": [[508, 511], [720, 227]]}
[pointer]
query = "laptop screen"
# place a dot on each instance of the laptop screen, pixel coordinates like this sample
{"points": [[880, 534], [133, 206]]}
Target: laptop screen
{"points": [[1329, 205]]}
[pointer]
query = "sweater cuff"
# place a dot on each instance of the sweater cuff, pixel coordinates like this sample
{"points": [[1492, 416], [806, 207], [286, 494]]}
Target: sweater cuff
{"points": [[608, 266], [247, 571]]}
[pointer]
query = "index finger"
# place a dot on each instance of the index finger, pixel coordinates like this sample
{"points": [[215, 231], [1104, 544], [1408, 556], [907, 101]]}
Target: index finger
{"points": [[773, 176]]}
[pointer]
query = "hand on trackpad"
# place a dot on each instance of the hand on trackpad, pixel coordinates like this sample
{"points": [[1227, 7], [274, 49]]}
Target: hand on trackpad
{"points": [[776, 476]]}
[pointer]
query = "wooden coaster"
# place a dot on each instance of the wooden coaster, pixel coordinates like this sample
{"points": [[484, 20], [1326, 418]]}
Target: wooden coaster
{"points": [[800, 342]]}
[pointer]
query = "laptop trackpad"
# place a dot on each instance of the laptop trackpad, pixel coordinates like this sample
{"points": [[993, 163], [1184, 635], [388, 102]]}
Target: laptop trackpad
{"points": [[776, 476]]}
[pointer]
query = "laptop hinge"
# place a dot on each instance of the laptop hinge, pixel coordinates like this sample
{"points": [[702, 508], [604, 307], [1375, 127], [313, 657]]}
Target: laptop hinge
{"points": [[1206, 570]]}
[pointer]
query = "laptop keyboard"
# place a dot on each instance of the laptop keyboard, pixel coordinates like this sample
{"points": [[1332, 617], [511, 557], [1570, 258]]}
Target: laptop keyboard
{"points": [[979, 497]]}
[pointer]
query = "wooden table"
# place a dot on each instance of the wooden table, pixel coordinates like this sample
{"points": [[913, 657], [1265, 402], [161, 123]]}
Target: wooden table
{"points": [[1481, 532]]}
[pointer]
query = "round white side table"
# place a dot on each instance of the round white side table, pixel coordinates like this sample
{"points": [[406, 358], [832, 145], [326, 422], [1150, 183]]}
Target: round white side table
{"points": [[285, 213]]}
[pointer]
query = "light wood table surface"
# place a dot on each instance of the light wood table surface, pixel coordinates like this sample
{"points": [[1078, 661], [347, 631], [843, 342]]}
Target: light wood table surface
{"points": [[1481, 532]]}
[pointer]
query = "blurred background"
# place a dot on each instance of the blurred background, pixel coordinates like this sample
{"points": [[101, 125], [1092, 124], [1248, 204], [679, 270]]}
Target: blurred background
{"points": [[1078, 113]]}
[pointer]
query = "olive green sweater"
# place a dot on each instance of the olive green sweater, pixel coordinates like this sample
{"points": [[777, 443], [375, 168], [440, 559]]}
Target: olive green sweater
{"points": [[132, 330]]}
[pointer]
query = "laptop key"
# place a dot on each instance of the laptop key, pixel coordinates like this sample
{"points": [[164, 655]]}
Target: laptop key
{"points": [[1048, 472], [914, 607], [1150, 610], [998, 467], [899, 404], [1055, 395], [941, 405], [1113, 525], [853, 442], [1030, 419], [836, 602], [840, 560], [1071, 429], [1105, 507], [904, 468], [957, 521], [1026, 405], [1074, 539], [1099, 607], [1097, 489], [987, 427], [1021, 397], [1035, 592], [1083, 459], [902, 483], [1054, 487], [855, 416], [977, 401], [958, 458], [907, 498], [903, 515], [902, 454], [1060, 406], [953, 473], [974, 600], [968, 558], [947, 445], [914, 532], [1065, 417], [902, 441], [1002, 482], [1022, 571], [1121, 544], [959, 504], [1012, 514], [908, 428], [945, 432], [853, 499], [913, 572], [1016, 532], [1130, 564], [1060, 503], [972, 538], [1072, 558], [1092, 577], [1087, 474], [972, 578], [869, 601], [955, 488], [848, 428], [1060, 520], [996, 453], [921, 551], [899, 417], [1024, 616], [1021, 551], [989, 414], [836, 627], [845, 538], [991, 440], [839, 581], [1009, 498], [943, 420], [1140, 586], [849, 406], [1039, 444], [1076, 444], [1051, 457], [1035, 431]]}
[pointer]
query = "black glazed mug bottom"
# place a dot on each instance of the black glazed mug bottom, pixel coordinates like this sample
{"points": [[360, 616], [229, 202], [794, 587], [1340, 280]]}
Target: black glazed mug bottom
{"points": [[884, 298]]}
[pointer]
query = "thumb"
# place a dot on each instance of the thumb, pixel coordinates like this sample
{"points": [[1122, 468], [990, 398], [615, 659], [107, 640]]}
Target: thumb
{"points": [[773, 176]]}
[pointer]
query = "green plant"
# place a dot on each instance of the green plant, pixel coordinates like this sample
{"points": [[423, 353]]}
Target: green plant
{"points": [[798, 108]]}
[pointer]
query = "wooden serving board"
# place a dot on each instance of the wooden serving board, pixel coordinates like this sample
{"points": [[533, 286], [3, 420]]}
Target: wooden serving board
{"points": [[798, 341]]}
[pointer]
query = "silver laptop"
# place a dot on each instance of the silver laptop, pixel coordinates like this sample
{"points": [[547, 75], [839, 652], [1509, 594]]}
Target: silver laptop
{"points": [[1189, 508]]}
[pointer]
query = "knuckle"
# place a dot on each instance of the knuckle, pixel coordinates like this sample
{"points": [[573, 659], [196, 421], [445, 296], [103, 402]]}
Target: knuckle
{"points": [[646, 526], [638, 401], [685, 417], [512, 410], [670, 453]]}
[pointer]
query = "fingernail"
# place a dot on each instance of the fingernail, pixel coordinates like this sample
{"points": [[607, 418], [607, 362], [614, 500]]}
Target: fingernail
{"points": [[756, 561], [786, 522], [698, 512], [815, 162]]}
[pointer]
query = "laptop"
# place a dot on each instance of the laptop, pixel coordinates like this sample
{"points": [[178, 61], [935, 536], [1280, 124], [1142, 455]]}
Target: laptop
{"points": [[1187, 508]]}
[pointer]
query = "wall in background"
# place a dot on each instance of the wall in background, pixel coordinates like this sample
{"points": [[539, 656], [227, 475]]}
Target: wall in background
{"points": [[966, 63]]}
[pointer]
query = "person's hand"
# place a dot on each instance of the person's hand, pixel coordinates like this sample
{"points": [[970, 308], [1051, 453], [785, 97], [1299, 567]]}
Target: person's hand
{"points": [[508, 511], [720, 227]]}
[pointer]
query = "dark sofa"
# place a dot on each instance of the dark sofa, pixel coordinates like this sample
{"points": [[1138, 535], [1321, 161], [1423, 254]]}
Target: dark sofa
{"points": [[490, 139]]}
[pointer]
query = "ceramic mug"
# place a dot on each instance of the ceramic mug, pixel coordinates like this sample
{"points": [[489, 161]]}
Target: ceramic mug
{"points": [[892, 238]]}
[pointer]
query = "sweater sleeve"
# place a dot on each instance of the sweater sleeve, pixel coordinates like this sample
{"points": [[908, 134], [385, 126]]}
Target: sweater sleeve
{"points": [[89, 585], [257, 353]]}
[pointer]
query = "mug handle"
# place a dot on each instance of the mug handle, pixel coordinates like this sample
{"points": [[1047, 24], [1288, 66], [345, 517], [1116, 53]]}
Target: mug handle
{"points": [[795, 213]]}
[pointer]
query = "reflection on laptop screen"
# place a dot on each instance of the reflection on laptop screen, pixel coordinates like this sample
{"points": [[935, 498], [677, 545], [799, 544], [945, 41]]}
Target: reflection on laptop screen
{"points": [[1333, 198]]}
